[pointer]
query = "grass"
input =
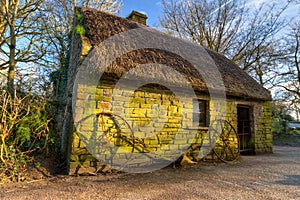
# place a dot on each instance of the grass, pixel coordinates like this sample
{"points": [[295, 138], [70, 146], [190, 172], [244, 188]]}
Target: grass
{"points": [[296, 132]]}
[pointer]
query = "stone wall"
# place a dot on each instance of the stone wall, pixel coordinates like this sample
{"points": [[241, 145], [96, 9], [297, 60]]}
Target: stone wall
{"points": [[263, 128], [146, 120], [153, 116]]}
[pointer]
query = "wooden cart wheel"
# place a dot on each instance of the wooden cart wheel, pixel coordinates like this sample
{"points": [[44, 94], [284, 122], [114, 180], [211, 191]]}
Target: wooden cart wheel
{"points": [[227, 146]]}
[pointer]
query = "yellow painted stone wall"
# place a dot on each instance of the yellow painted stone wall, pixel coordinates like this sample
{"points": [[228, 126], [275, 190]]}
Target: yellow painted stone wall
{"points": [[151, 117], [263, 128], [146, 120]]}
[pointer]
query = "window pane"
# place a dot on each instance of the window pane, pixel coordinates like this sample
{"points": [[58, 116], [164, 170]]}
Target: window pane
{"points": [[199, 112]]}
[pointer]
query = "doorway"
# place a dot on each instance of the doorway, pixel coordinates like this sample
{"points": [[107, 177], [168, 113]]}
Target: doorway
{"points": [[244, 115]]}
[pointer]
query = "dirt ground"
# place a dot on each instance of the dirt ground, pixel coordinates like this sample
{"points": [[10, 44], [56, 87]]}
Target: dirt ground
{"points": [[269, 176]]}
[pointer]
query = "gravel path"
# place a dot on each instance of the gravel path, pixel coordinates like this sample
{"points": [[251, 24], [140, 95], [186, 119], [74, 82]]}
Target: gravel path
{"points": [[270, 176]]}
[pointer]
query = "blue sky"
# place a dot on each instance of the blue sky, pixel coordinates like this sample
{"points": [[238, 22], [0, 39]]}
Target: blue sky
{"points": [[152, 8]]}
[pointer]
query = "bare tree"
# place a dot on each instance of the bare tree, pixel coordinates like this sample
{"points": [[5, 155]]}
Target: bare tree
{"points": [[203, 22], [21, 36], [59, 21], [289, 76], [111, 6], [37, 31], [244, 35]]}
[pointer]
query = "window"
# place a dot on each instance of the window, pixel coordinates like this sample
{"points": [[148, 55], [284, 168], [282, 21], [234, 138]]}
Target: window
{"points": [[200, 112]]}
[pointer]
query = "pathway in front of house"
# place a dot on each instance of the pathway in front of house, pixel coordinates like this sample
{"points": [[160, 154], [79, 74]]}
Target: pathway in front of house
{"points": [[269, 176]]}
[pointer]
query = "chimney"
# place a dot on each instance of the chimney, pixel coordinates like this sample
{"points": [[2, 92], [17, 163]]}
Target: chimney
{"points": [[138, 17]]}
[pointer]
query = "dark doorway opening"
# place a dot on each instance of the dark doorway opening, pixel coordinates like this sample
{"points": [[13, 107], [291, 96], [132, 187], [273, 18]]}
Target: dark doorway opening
{"points": [[244, 114]]}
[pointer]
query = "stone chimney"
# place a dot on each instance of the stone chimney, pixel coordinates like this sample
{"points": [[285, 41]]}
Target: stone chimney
{"points": [[138, 17]]}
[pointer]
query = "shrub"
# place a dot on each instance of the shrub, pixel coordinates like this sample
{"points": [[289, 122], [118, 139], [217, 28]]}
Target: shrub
{"points": [[24, 129]]}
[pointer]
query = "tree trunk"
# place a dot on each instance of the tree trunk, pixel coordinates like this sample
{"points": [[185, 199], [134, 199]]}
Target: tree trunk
{"points": [[12, 60]]}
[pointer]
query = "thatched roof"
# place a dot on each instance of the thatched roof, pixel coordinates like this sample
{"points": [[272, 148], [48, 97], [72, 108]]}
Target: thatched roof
{"points": [[100, 26]]}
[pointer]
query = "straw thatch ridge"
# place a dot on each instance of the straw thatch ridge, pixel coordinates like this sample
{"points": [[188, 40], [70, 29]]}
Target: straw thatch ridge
{"points": [[100, 26]]}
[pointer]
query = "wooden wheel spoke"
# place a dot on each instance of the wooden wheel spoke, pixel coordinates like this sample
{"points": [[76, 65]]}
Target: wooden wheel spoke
{"points": [[222, 128], [229, 132], [231, 152], [226, 148]]}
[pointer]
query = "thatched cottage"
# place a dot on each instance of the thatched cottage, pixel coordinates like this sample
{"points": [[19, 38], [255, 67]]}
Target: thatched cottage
{"points": [[150, 113]]}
